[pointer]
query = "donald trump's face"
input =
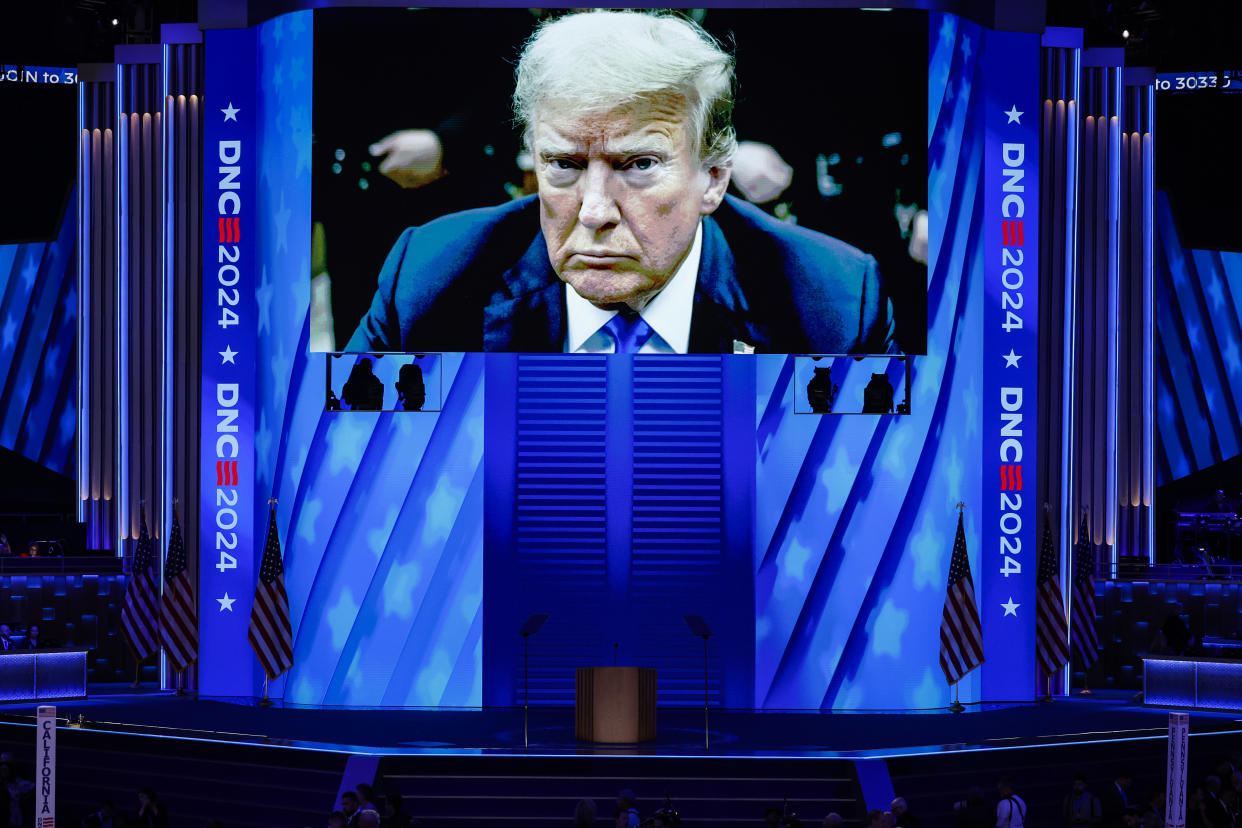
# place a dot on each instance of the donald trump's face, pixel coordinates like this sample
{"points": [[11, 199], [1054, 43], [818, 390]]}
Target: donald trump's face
{"points": [[621, 194]]}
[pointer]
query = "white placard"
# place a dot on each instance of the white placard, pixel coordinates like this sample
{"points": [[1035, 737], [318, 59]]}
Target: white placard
{"points": [[1175, 777]]}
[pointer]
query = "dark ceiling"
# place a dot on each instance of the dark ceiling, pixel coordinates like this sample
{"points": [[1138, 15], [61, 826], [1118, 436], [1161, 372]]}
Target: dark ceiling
{"points": [[1166, 34]]}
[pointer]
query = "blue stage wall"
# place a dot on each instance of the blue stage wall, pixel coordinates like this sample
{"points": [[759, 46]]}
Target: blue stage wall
{"points": [[38, 377], [1198, 352]]}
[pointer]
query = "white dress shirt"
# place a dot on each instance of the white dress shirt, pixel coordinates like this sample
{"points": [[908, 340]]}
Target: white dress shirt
{"points": [[668, 313]]}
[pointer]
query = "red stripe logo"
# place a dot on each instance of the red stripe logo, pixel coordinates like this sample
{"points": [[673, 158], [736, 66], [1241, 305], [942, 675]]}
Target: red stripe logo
{"points": [[1011, 478], [226, 473], [220, 224], [1013, 233]]}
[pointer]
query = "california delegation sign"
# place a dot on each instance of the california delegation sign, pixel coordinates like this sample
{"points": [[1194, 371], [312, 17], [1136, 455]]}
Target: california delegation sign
{"points": [[45, 767]]}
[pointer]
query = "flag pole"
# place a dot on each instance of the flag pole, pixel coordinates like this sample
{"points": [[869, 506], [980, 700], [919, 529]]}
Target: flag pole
{"points": [[265, 701], [957, 706]]}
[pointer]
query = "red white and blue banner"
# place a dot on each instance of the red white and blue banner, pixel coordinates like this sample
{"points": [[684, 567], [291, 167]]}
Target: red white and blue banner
{"points": [[1010, 370], [229, 337]]}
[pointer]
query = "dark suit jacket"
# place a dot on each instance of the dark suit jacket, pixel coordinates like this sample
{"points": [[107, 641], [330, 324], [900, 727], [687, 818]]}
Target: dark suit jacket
{"points": [[480, 280]]}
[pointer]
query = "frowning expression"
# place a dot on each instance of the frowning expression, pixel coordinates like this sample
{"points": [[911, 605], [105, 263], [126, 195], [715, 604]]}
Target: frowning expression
{"points": [[621, 194]]}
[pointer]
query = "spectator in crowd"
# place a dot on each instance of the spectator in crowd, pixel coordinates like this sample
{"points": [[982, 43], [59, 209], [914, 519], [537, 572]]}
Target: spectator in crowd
{"points": [[1214, 810], [368, 818], [5, 549], [833, 820], [1010, 810], [584, 814], [6, 638], [887, 820], [1116, 798], [349, 805], [625, 803], [1130, 818], [1153, 814], [1195, 809], [874, 818], [20, 794], [973, 811], [337, 819], [394, 812], [104, 817], [151, 812], [1081, 808], [772, 817], [902, 815], [366, 797], [32, 642]]}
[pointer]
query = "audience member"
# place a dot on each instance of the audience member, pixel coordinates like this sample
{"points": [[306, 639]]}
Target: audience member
{"points": [[104, 817], [887, 820], [6, 638], [772, 817], [32, 642], [1081, 808], [151, 812], [625, 804], [1130, 818], [394, 812], [1153, 814], [337, 819], [584, 814], [973, 811], [833, 820], [5, 549], [368, 818], [902, 815], [19, 792], [1214, 810], [366, 796], [1116, 798], [1195, 809], [349, 806], [874, 817], [1010, 810]]}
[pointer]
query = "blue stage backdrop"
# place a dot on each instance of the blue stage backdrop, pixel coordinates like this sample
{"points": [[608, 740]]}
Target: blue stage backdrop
{"points": [[38, 379], [380, 515], [624, 491], [1198, 353]]}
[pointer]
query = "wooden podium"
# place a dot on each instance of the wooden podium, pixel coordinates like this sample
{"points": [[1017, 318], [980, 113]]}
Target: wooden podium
{"points": [[615, 704]]}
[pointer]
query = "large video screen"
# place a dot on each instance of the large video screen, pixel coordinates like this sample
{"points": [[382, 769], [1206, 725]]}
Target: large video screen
{"points": [[706, 181]]}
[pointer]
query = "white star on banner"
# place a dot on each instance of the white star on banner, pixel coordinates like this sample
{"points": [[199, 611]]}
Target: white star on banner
{"points": [[227, 355], [230, 114], [226, 603], [1011, 359], [1010, 607], [1014, 116]]}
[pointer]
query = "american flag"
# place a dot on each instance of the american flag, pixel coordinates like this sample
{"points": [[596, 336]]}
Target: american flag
{"points": [[1082, 630], [179, 610], [1051, 635], [271, 633], [961, 636], [140, 611]]}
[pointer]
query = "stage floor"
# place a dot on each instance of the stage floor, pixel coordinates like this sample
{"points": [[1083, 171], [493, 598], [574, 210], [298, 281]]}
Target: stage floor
{"points": [[493, 731]]}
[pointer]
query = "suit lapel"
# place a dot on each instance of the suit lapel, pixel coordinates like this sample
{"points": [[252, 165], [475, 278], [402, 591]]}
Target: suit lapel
{"points": [[721, 311], [529, 315]]}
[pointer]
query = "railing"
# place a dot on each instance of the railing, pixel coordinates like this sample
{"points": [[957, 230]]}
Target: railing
{"points": [[66, 565]]}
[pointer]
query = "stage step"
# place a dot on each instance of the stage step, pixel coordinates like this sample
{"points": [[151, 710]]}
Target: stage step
{"points": [[530, 791]]}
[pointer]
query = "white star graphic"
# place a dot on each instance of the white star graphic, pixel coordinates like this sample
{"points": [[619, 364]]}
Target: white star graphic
{"points": [[1011, 359], [1010, 607], [227, 355], [226, 603], [230, 114], [1014, 116]]}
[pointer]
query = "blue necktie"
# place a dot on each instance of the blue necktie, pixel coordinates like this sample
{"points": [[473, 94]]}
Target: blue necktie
{"points": [[629, 331]]}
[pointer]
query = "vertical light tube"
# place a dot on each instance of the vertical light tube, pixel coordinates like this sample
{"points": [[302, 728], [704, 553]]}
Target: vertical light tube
{"points": [[84, 328], [124, 519], [1111, 504], [1149, 403]]}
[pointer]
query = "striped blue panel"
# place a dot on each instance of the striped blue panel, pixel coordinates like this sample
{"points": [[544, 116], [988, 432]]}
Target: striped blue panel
{"points": [[38, 376], [676, 562], [561, 507], [1198, 353]]}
